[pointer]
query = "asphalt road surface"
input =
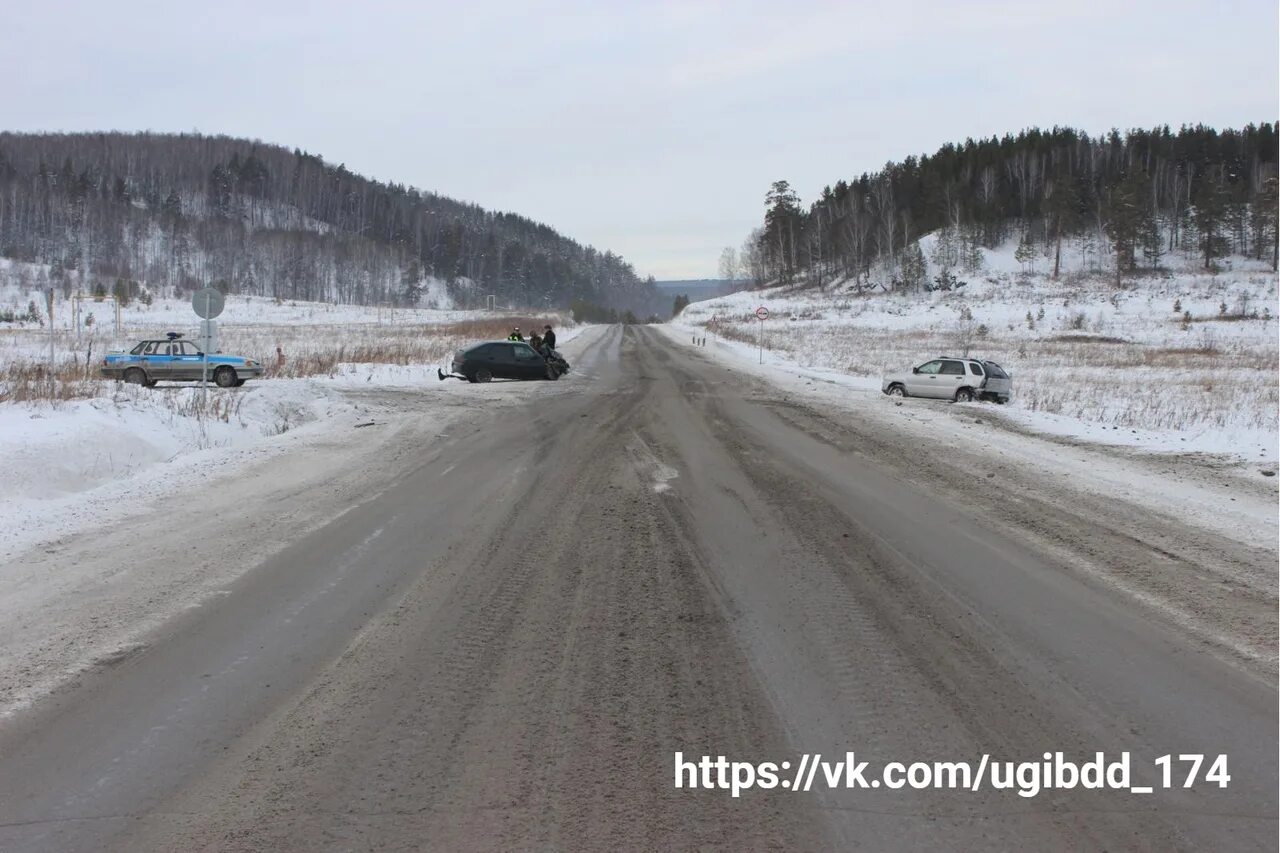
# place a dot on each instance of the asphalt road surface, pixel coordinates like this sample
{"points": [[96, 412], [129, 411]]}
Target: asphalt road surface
{"points": [[506, 643]]}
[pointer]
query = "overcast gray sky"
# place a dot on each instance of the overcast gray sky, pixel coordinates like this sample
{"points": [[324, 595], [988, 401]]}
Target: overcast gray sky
{"points": [[649, 128]]}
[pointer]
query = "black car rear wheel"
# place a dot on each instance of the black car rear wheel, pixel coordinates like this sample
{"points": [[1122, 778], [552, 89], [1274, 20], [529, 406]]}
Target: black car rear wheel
{"points": [[482, 374]]}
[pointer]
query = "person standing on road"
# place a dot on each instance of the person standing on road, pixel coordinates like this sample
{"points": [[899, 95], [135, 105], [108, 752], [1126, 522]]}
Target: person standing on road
{"points": [[549, 337], [515, 335]]}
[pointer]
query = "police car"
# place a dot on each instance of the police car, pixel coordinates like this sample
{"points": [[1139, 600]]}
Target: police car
{"points": [[176, 360]]}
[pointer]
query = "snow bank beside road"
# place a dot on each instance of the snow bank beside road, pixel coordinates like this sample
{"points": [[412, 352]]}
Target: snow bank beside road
{"points": [[1182, 362], [1229, 497], [89, 567], [81, 462], [76, 463]]}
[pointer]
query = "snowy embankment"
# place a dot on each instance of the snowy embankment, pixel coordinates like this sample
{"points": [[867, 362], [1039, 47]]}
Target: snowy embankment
{"points": [[128, 508], [73, 463], [1181, 362], [81, 462], [1225, 496]]}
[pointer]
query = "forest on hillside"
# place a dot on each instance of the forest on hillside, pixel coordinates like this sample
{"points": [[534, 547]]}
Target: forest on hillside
{"points": [[183, 211], [1127, 200]]}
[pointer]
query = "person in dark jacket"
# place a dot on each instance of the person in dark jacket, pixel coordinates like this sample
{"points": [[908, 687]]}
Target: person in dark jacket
{"points": [[549, 338], [515, 335]]}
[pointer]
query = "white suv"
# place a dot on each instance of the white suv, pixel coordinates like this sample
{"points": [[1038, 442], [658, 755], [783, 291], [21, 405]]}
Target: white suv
{"points": [[950, 378]]}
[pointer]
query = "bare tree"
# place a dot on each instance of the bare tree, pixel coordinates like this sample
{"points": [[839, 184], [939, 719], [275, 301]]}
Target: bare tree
{"points": [[729, 269]]}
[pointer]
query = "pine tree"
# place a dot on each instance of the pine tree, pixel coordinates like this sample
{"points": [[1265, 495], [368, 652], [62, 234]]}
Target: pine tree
{"points": [[1263, 225], [1124, 218], [915, 272], [411, 282], [1150, 238], [971, 251], [781, 223], [1061, 205], [173, 205], [1211, 205], [945, 253], [1025, 254]]}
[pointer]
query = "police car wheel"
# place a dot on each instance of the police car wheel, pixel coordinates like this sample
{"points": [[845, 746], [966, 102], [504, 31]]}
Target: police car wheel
{"points": [[135, 376], [225, 377]]}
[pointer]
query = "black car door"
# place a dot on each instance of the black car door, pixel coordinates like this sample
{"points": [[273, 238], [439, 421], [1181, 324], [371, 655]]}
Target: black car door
{"points": [[502, 363], [530, 364]]}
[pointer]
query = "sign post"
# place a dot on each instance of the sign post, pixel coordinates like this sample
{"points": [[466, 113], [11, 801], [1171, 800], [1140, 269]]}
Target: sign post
{"points": [[762, 314], [51, 356], [208, 304]]}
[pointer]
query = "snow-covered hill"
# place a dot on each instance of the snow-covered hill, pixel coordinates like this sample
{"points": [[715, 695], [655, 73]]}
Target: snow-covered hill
{"points": [[185, 210]]}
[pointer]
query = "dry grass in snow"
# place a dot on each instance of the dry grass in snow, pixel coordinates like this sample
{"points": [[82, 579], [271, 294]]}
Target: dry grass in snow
{"points": [[1189, 352]]}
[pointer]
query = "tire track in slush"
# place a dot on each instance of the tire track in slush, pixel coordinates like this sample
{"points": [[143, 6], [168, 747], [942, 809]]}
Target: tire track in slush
{"points": [[537, 703]]}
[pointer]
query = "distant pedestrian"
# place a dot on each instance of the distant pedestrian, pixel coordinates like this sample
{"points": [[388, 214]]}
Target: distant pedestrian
{"points": [[535, 341], [515, 335], [549, 337]]}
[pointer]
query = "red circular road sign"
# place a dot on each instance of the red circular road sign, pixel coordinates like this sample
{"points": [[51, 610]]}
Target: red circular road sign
{"points": [[762, 313]]}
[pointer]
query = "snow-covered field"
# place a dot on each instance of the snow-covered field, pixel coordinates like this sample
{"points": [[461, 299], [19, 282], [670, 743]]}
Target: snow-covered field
{"points": [[67, 455], [249, 325], [1182, 361]]}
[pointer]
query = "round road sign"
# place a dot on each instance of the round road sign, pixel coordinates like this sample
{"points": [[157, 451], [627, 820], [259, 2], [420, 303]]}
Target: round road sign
{"points": [[762, 313], [207, 302]]}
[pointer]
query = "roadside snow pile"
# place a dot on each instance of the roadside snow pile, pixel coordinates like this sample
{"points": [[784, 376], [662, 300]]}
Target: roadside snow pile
{"points": [[65, 461], [52, 451], [1182, 361]]}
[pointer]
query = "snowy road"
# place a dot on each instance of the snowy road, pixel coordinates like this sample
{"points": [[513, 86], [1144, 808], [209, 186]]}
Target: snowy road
{"points": [[505, 638]]}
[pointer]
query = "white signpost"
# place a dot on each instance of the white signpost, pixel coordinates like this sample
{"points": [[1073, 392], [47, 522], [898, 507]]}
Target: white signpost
{"points": [[762, 314], [208, 304]]}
